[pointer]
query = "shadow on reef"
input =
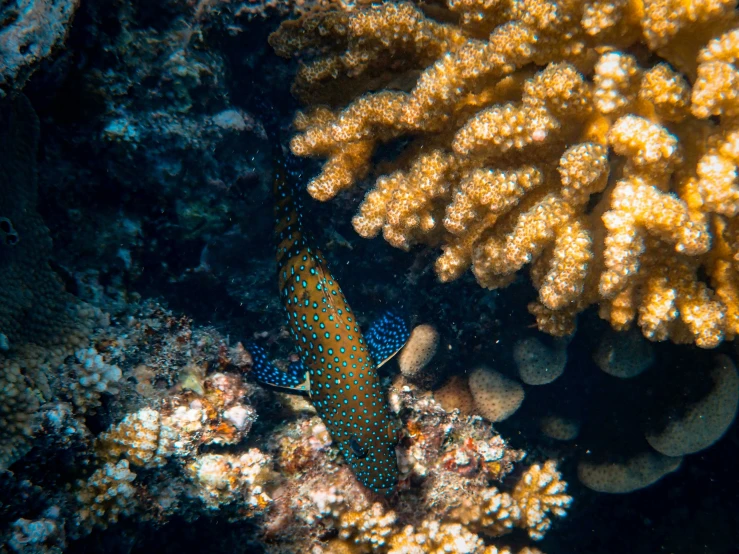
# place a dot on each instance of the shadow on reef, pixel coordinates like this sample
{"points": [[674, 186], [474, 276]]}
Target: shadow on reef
{"points": [[154, 167], [689, 511], [206, 535], [141, 193], [155, 182]]}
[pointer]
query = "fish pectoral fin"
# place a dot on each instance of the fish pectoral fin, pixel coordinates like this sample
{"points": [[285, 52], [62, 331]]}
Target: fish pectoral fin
{"points": [[298, 371], [386, 336], [295, 377], [356, 447], [394, 430]]}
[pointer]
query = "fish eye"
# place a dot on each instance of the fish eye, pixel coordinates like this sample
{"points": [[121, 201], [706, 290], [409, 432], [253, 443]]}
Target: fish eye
{"points": [[359, 452]]}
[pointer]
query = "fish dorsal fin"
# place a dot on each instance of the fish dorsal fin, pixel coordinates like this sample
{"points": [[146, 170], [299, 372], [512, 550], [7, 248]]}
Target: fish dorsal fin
{"points": [[386, 336], [294, 378], [332, 298]]}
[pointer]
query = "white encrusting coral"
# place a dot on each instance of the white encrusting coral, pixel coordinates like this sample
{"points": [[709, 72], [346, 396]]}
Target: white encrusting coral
{"points": [[107, 495], [95, 376], [221, 479]]}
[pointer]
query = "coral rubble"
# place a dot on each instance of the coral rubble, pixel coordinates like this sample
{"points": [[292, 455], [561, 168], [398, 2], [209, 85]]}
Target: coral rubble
{"points": [[539, 133], [595, 141], [446, 502], [182, 444], [150, 464]]}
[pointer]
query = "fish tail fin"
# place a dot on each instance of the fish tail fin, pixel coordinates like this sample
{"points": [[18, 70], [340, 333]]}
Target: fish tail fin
{"points": [[286, 166], [288, 173]]}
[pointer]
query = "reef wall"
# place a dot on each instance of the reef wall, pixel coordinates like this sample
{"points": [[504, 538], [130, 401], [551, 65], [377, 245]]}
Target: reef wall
{"points": [[593, 143]]}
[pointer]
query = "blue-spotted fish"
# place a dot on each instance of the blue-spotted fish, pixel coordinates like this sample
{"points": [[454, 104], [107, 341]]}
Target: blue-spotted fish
{"points": [[337, 363]]}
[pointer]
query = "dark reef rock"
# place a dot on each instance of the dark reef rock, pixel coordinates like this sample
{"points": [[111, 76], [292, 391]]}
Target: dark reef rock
{"points": [[30, 30], [154, 182]]}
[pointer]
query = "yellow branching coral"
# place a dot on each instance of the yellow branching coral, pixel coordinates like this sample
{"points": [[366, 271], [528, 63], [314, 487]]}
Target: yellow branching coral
{"points": [[370, 526], [137, 437], [483, 515], [538, 495], [494, 512], [536, 135], [436, 538]]}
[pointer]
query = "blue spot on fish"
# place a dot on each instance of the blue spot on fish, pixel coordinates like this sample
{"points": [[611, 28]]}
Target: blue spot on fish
{"points": [[366, 439], [386, 336]]}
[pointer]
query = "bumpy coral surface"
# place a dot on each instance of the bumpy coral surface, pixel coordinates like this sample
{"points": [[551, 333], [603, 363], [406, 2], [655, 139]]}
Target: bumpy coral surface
{"points": [[137, 438], [536, 134], [33, 305], [538, 363], [636, 473], [418, 351], [143, 427], [224, 478], [446, 502], [107, 495], [539, 493], [181, 444], [496, 396], [623, 355], [19, 404], [45, 534], [40, 323]]}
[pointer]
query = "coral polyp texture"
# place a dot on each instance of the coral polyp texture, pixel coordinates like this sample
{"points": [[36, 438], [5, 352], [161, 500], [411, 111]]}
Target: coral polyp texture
{"points": [[704, 422], [456, 494], [539, 134], [107, 495], [418, 351], [496, 396], [40, 323], [34, 308], [149, 464], [181, 443], [626, 476]]}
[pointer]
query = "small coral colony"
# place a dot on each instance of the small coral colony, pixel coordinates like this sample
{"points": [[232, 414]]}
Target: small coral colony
{"points": [[594, 143]]}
